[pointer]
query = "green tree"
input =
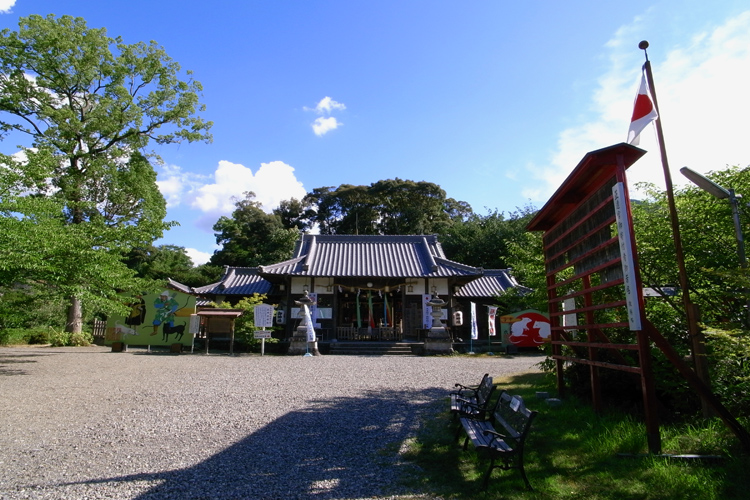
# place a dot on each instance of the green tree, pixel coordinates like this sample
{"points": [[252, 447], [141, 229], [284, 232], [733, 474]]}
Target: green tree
{"points": [[244, 326], [251, 237], [89, 106], [294, 214], [347, 209], [483, 240], [391, 206], [408, 207], [169, 261], [718, 284]]}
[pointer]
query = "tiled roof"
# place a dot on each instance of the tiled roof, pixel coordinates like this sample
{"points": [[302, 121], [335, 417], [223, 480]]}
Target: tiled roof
{"points": [[176, 285], [490, 284], [370, 256], [243, 281]]}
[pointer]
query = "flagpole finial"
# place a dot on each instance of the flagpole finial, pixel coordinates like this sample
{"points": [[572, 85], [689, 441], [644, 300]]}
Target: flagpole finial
{"points": [[643, 46]]}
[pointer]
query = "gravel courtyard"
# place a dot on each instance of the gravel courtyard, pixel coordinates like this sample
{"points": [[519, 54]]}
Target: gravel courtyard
{"points": [[80, 423]]}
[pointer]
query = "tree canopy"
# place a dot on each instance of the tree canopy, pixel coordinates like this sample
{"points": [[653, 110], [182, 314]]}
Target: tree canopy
{"points": [[483, 240], [82, 192], [251, 237], [392, 206], [718, 284]]}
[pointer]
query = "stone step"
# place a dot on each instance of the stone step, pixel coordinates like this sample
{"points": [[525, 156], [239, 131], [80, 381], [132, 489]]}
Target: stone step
{"points": [[371, 348]]}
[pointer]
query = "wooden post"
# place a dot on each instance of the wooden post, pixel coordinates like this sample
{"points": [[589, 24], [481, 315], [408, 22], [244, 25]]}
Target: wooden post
{"points": [[697, 339]]}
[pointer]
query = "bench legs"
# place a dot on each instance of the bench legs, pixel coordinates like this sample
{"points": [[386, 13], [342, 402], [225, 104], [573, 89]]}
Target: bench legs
{"points": [[506, 466]]}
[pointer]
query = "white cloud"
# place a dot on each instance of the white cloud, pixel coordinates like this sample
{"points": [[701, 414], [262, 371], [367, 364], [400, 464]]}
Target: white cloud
{"points": [[6, 6], [197, 256], [326, 106], [322, 126], [174, 183], [702, 96], [272, 183]]}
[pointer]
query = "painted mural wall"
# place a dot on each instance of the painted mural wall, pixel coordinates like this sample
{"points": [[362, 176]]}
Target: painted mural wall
{"points": [[528, 328], [161, 318]]}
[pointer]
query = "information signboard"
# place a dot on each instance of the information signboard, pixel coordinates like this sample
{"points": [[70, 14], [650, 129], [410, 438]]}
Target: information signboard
{"points": [[263, 316]]}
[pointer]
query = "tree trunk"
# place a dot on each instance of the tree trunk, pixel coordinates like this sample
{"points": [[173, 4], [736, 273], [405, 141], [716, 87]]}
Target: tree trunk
{"points": [[74, 324]]}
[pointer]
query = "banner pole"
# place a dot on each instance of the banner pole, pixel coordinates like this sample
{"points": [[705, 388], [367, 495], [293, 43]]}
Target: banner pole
{"points": [[691, 310]]}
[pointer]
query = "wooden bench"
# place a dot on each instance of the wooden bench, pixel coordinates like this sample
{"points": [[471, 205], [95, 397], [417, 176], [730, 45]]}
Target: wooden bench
{"points": [[472, 401], [501, 438]]}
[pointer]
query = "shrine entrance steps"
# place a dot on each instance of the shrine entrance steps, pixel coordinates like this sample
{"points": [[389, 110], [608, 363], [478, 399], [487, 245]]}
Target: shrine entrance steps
{"points": [[363, 348]]}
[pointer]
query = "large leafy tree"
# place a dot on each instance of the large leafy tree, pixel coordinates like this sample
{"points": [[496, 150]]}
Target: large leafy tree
{"points": [[717, 281], [408, 207], [251, 237], [391, 206], [88, 106], [170, 261], [483, 240]]}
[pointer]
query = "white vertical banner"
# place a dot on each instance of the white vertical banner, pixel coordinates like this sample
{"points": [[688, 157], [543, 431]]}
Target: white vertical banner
{"points": [[626, 256], [491, 313], [313, 308], [426, 311], [474, 328], [310, 329]]}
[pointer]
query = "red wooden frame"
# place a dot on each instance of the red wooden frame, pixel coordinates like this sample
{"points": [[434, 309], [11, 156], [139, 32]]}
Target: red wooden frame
{"points": [[583, 261]]}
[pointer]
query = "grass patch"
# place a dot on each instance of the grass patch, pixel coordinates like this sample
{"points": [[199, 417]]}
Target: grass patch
{"points": [[574, 453]]}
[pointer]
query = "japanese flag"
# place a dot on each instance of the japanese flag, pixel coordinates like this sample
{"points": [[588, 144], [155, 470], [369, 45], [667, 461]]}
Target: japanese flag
{"points": [[644, 111]]}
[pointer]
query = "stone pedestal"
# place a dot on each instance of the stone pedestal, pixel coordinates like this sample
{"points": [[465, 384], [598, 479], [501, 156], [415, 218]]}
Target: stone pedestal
{"points": [[299, 346], [438, 340], [438, 346]]}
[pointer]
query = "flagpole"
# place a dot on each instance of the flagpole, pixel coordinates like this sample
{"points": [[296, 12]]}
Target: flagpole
{"points": [[691, 310]]}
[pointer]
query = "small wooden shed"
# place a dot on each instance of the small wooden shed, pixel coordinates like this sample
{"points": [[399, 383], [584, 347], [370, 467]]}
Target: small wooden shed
{"points": [[218, 325]]}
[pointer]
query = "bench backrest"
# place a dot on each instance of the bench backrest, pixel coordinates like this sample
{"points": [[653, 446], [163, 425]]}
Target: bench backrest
{"points": [[511, 414], [484, 391]]}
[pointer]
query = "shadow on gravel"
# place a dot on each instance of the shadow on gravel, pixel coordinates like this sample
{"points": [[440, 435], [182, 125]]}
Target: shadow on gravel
{"points": [[333, 449], [8, 362]]}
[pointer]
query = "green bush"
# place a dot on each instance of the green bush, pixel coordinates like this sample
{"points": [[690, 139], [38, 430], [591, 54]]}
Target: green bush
{"points": [[31, 306], [244, 326], [59, 338], [82, 339], [37, 336], [729, 357], [13, 336]]}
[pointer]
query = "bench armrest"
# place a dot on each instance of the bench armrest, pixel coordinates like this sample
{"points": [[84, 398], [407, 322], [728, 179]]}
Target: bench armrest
{"points": [[494, 434], [472, 404], [460, 389]]}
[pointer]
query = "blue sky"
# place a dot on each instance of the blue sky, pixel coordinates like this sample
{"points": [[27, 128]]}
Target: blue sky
{"points": [[495, 101]]}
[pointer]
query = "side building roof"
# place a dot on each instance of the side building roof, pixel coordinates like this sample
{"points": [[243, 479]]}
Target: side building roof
{"points": [[493, 282], [243, 281]]}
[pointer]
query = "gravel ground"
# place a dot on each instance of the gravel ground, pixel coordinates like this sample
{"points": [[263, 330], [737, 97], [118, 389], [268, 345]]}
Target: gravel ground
{"points": [[80, 423]]}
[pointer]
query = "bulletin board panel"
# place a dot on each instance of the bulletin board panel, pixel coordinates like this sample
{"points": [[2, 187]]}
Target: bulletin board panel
{"points": [[592, 276]]}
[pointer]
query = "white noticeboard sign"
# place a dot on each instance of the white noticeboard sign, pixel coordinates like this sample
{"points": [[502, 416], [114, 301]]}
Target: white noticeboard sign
{"points": [[262, 334], [195, 324], [626, 257], [263, 316]]}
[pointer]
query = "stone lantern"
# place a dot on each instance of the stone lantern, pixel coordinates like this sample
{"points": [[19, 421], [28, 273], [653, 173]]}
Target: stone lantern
{"points": [[299, 344], [438, 340]]}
